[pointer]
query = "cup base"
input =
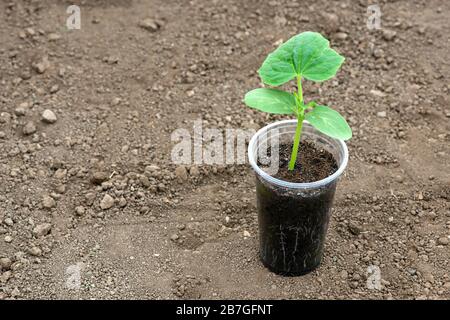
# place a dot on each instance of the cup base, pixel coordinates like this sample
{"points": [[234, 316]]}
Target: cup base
{"points": [[289, 273]]}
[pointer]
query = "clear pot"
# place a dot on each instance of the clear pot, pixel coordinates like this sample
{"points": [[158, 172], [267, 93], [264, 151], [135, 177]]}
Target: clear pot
{"points": [[293, 217]]}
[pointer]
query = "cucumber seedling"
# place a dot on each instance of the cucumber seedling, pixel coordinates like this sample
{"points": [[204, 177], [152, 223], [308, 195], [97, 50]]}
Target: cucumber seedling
{"points": [[305, 56]]}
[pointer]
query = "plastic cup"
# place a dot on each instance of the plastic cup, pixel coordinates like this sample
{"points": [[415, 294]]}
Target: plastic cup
{"points": [[293, 217]]}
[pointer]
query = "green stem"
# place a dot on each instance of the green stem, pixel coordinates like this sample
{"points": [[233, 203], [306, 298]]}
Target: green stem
{"points": [[298, 130]]}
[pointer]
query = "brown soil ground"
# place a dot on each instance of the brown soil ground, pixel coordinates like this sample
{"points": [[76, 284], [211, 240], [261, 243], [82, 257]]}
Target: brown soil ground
{"points": [[119, 90]]}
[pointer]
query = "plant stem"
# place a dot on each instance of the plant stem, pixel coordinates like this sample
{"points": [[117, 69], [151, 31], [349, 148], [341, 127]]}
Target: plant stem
{"points": [[298, 130]]}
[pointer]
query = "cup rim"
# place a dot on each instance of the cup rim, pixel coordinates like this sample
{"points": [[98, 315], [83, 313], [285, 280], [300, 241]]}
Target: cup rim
{"points": [[293, 185]]}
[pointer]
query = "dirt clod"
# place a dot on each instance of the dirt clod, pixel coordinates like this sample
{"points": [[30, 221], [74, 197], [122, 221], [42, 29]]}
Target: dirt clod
{"points": [[48, 202], [42, 229], [5, 263], [107, 202], [150, 24], [29, 128], [443, 241], [181, 173], [41, 65], [99, 176]]}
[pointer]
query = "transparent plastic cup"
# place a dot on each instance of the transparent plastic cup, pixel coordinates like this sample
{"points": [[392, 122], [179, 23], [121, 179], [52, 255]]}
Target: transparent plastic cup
{"points": [[293, 217]]}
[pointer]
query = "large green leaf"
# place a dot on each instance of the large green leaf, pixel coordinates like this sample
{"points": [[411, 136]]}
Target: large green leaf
{"points": [[306, 55], [270, 100], [329, 122], [324, 66], [278, 68]]}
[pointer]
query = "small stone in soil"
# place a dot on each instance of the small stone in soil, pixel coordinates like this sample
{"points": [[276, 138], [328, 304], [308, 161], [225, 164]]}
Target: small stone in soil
{"points": [[53, 37], [42, 229], [107, 202], [122, 202], [49, 116], [79, 211], [443, 241], [381, 114], [330, 22], [8, 222], [35, 251], [42, 65], [388, 35], [29, 128], [194, 172], [5, 263], [377, 93], [354, 228], [20, 111], [181, 173], [54, 89], [341, 35], [48, 202], [149, 24], [98, 177]]}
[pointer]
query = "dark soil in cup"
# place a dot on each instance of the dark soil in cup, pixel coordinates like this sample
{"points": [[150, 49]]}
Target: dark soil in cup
{"points": [[313, 164], [293, 222]]}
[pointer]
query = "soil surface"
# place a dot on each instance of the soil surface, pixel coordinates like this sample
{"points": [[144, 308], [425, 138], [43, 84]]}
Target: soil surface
{"points": [[312, 164], [91, 205]]}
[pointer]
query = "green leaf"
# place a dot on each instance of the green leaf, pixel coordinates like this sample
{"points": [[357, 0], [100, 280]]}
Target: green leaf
{"points": [[307, 55], [270, 100], [278, 68], [324, 66], [307, 47], [329, 122]]}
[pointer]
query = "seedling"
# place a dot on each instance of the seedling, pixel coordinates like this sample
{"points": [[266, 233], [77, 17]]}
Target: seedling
{"points": [[305, 56]]}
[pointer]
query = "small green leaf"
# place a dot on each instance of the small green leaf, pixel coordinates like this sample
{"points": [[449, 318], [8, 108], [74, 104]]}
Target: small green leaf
{"points": [[270, 100], [306, 55], [329, 122]]}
